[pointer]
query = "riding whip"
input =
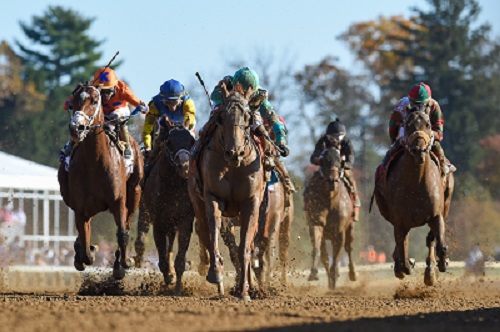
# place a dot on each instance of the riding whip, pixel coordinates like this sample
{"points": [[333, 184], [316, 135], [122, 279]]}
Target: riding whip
{"points": [[204, 88]]}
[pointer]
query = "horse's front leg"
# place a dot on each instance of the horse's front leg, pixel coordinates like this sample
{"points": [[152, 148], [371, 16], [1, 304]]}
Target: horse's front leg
{"points": [[185, 231], [249, 216], [438, 228], [284, 242], [400, 255], [122, 261], [216, 269], [430, 275], [349, 239], [171, 265], [337, 244], [84, 252]]}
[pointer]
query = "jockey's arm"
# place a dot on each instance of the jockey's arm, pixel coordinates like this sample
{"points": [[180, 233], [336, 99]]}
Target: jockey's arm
{"points": [[67, 103], [149, 124], [318, 149], [271, 118], [189, 111], [437, 121], [347, 150], [127, 95], [395, 122]]}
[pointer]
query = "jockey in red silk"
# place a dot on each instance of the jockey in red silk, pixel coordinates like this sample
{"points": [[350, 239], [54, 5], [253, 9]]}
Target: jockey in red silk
{"points": [[116, 95], [419, 98], [336, 136]]}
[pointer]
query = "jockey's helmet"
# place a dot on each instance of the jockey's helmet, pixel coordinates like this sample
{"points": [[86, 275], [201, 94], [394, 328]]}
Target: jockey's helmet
{"points": [[335, 128], [105, 77], [420, 93], [172, 89], [247, 77]]}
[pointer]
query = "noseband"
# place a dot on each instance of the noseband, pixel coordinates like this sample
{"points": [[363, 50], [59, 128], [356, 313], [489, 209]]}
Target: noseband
{"points": [[245, 128], [171, 156]]}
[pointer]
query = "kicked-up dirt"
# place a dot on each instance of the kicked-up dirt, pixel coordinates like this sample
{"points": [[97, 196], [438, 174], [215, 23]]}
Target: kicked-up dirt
{"points": [[454, 304]]}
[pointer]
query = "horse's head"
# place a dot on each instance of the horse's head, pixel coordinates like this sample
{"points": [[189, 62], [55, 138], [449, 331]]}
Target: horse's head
{"points": [[418, 135], [234, 121], [87, 110], [330, 164], [178, 142]]}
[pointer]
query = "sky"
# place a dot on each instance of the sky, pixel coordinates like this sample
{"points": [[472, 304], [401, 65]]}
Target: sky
{"points": [[159, 40]]}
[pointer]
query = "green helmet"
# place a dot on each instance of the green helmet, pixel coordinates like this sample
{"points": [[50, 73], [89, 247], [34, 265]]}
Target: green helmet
{"points": [[247, 78]]}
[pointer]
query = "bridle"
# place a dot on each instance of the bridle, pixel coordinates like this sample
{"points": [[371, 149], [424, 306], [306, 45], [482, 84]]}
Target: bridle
{"points": [[243, 126], [173, 156], [82, 130]]}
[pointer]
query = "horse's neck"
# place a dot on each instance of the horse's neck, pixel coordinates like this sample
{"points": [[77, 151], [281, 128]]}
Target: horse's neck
{"points": [[96, 143], [412, 170]]}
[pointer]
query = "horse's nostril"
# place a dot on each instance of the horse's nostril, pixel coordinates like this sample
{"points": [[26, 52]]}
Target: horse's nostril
{"points": [[241, 153]]}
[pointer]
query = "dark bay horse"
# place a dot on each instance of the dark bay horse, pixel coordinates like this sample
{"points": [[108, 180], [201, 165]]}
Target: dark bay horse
{"points": [[229, 183], [165, 202], [97, 179], [328, 210], [412, 193], [276, 217]]}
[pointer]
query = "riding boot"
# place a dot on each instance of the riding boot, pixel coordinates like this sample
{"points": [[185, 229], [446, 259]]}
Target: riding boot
{"points": [[395, 147], [354, 192], [127, 152], [268, 161], [443, 165], [287, 182], [66, 150]]}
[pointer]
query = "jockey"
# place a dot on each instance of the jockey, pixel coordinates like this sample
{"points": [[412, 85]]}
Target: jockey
{"points": [[272, 121], [174, 102], [115, 97], [419, 99], [336, 136]]}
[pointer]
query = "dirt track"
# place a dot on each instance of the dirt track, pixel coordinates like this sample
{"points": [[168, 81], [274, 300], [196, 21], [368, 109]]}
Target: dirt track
{"points": [[454, 304]]}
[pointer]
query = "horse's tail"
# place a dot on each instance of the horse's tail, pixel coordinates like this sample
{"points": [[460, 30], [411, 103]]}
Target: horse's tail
{"points": [[371, 200]]}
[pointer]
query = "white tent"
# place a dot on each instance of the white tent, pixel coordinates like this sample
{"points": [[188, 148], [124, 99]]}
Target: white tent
{"points": [[18, 173], [33, 189]]}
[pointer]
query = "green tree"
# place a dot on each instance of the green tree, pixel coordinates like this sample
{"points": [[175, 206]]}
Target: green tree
{"points": [[60, 53]]}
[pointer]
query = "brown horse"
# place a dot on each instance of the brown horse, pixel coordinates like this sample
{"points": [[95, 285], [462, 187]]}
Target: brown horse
{"points": [[97, 179], [165, 202], [412, 193], [229, 183], [328, 208], [276, 217]]}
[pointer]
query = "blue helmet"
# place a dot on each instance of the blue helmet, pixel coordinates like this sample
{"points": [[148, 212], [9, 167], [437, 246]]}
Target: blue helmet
{"points": [[172, 89]]}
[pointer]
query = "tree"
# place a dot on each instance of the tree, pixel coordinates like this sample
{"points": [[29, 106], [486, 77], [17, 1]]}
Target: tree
{"points": [[59, 55]]}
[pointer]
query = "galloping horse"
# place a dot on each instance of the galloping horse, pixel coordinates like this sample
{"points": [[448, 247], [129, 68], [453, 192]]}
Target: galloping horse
{"points": [[165, 202], [412, 193], [328, 208], [97, 179], [230, 183], [276, 217]]}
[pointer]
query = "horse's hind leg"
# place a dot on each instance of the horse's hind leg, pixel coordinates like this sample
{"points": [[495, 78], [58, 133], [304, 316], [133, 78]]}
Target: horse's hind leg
{"points": [[143, 226], [438, 228], [349, 239], [430, 275], [122, 261], [84, 252], [185, 230]]}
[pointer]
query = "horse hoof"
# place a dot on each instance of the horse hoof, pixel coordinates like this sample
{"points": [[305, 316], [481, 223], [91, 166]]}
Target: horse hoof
{"points": [[313, 277], [79, 266], [429, 276], [443, 265], [245, 298], [220, 288], [411, 261], [353, 276], [399, 275], [169, 279], [118, 273], [214, 277], [129, 262], [138, 261], [94, 249]]}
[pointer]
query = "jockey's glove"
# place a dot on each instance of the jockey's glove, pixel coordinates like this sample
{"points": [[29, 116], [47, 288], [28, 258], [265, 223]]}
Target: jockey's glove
{"points": [[284, 150], [260, 130]]}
